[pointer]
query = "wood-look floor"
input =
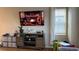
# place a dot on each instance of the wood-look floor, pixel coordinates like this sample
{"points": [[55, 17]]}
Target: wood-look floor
{"points": [[24, 49]]}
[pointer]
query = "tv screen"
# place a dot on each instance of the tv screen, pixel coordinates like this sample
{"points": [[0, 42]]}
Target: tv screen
{"points": [[31, 18]]}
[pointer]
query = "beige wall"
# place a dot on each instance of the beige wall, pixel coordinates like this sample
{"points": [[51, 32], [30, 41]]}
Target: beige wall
{"points": [[73, 29], [9, 20]]}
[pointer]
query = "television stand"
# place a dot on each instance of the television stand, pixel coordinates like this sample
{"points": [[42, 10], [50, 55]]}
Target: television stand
{"points": [[31, 40]]}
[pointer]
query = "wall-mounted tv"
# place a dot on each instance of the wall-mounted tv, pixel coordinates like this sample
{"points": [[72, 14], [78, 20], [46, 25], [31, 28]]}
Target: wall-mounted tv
{"points": [[31, 18]]}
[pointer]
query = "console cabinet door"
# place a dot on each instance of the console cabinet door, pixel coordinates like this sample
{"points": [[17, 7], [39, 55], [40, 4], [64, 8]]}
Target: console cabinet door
{"points": [[39, 43], [19, 42]]}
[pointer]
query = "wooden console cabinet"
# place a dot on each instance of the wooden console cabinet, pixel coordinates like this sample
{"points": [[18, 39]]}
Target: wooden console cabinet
{"points": [[31, 40]]}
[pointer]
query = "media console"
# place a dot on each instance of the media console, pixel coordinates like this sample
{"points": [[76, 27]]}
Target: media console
{"points": [[31, 40]]}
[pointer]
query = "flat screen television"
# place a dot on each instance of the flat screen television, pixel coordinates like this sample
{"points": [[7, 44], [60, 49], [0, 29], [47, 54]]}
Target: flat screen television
{"points": [[31, 18]]}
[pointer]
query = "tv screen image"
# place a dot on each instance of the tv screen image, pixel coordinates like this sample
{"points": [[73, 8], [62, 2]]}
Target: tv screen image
{"points": [[31, 18]]}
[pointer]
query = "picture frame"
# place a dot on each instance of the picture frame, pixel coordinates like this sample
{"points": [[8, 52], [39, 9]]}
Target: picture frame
{"points": [[31, 18]]}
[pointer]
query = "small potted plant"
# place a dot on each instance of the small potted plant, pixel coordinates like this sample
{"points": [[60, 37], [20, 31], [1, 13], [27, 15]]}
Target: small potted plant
{"points": [[55, 45], [21, 30]]}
